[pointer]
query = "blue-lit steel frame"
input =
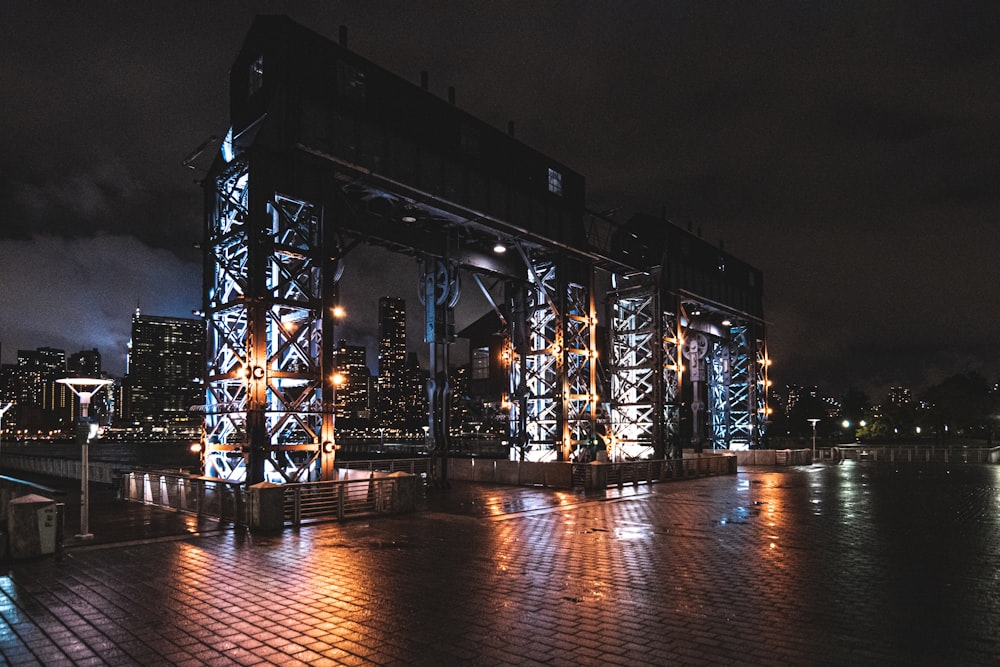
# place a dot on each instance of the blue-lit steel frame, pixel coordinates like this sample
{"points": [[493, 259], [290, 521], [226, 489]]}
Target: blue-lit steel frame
{"points": [[553, 382], [673, 376], [268, 293], [648, 329], [718, 393], [636, 350], [748, 386]]}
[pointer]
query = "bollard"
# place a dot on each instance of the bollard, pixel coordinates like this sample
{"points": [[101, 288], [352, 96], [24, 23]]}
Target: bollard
{"points": [[598, 475], [267, 507], [405, 497], [31, 526]]}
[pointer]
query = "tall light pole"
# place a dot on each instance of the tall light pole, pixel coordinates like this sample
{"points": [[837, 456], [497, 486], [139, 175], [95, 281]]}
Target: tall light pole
{"points": [[85, 388], [814, 422]]}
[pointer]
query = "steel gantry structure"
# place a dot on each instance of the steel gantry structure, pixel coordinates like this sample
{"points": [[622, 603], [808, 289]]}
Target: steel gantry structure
{"points": [[326, 152], [689, 360]]}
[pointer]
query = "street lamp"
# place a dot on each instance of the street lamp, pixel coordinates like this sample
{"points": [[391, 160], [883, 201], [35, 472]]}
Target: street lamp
{"points": [[814, 422], [85, 388]]}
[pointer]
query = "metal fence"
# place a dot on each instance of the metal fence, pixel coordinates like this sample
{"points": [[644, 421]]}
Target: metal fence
{"points": [[419, 466], [204, 496], [916, 453], [229, 502], [591, 475], [323, 501]]}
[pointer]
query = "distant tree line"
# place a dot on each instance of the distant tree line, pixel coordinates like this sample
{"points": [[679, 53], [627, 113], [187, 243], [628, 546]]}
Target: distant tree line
{"points": [[964, 405]]}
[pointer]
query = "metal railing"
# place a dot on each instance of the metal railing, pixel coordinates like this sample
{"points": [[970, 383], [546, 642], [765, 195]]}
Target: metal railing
{"points": [[325, 501], [419, 466], [305, 502], [589, 475], [203, 496], [916, 453]]}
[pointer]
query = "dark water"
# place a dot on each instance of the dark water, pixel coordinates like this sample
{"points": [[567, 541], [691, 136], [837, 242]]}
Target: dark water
{"points": [[139, 454]]}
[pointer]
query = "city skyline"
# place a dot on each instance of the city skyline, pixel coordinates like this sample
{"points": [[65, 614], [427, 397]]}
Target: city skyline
{"points": [[844, 151]]}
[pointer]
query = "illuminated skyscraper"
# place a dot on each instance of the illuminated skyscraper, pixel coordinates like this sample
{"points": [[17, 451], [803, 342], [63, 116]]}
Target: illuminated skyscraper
{"points": [[165, 367], [35, 367], [353, 408], [85, 363], [43, 404], [391, 361]]}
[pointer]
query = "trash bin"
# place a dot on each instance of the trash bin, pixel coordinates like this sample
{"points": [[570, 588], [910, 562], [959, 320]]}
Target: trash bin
{"points": [[32, 526]]}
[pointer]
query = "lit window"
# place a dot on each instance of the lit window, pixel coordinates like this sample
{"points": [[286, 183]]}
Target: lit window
{"points": [[555, 182], [256, 74], [480, 363]]}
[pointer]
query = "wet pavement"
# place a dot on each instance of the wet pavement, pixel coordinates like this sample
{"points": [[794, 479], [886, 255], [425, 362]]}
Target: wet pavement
{"points": [[858, 563]]}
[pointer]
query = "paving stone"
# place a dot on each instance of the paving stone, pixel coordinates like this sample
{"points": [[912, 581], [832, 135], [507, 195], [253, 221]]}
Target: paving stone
{"points": [[827, 565]]}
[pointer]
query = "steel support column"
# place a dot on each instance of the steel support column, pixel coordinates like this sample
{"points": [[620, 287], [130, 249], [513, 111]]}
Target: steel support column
{"points": [[718, 393], [553, 371], [636, 360], [270, 291], [672, 376], [742, 401]]}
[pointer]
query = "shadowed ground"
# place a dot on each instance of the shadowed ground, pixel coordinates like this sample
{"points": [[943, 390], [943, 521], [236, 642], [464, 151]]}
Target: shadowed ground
{"points": [[853, 564]]}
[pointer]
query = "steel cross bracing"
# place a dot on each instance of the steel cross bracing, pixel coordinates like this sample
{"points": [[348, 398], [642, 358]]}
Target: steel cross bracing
{"points": [[580, 394], [264, 379], [673, 374], [648, 330], [718, 389], [553, 368], [635, 337], [741, 395], [761, 411]]}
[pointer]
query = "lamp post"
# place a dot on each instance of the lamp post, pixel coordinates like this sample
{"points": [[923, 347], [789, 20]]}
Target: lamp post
{"points": [[814, 422], [85, 388]]}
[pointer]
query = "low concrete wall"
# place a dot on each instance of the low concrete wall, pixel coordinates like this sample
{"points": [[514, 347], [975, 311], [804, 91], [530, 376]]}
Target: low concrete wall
{"points": [[100, 472], [774, 457], [557, 475]]}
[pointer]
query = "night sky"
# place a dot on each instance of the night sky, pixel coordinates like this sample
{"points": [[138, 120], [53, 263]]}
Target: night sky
{"points": [[847, 149]]}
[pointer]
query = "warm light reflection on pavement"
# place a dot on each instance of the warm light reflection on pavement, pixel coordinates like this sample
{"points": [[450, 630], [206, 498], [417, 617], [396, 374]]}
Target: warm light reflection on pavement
{"points": [[829, 565]]}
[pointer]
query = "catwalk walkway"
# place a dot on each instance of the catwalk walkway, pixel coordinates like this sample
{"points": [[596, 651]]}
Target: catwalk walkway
{"points": [[854, 564]]}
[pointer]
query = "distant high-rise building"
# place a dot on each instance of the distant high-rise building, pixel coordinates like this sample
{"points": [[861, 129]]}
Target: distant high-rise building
{"points": [[796, 393], [415, 398], [85, 363], [43, 405], [165, 368], [900, 395], [35, 367], [391, 361], [353, 408]]}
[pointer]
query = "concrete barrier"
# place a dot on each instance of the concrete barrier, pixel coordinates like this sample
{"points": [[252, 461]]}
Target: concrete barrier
{"points": [[405, 498], [266, 506], [506, 472], [772, 457], [31, 526]]}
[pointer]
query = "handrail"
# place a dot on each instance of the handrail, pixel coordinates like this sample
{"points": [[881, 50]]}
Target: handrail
{"points": [[303, 502]]}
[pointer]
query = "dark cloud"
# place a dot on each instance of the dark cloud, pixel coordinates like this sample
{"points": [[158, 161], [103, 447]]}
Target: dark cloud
{"points": [[847, 149], [76, 294]]}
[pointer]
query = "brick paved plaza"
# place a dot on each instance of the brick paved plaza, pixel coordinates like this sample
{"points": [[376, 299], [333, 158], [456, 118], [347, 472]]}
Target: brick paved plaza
{"points": [[853, 564]]}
